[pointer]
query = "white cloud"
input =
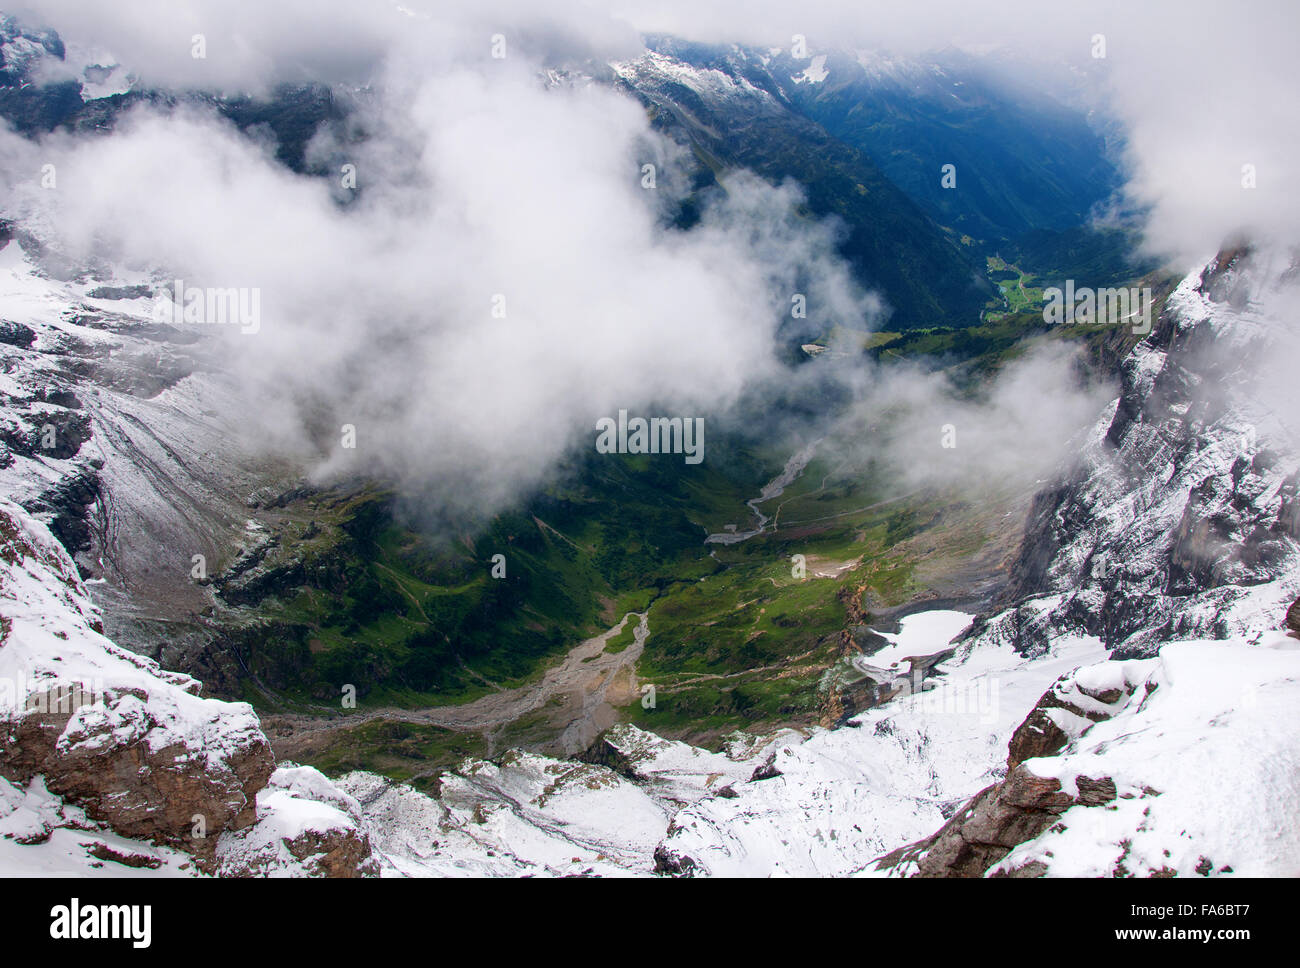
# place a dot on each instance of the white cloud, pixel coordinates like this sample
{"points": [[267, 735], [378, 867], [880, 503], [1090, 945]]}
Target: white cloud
{"points": [[380, 315], [479, 180]]}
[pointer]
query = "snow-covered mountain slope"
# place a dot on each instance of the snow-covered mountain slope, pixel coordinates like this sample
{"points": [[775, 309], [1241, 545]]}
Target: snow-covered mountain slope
{"points": [[312, 832], [828, 802], [832, 803], [1108, 774], [535, 815], [1187, 763], [118, 433], [42, 834], [306, 827], [1206, 779], [1183, 520], [105, 756]]}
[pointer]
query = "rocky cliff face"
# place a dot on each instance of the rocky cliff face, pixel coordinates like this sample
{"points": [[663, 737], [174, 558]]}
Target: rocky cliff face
{"points": [[1181, 521], [118, 434], [138, 751]]}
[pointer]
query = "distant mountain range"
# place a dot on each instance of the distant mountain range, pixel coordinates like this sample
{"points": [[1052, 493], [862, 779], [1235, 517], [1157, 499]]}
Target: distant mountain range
{"points": [[865, 136]]}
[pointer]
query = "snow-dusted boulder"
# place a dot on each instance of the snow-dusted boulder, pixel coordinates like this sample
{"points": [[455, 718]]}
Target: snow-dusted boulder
{"points": [[306, 827]]}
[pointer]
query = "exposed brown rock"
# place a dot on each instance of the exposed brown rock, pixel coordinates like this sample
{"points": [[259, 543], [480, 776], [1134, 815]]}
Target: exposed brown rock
{"points": [[1023, 805], [1039, 735], [338, 852], [673, 864], [335, 854], [996, 820], [105, 852], [766, 771], [140, 792]]}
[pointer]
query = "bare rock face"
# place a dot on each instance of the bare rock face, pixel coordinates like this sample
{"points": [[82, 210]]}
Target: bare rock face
{"points": [[125, 770], [1042, 733], [1293, 618], [333, 853], [668, 861]]}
